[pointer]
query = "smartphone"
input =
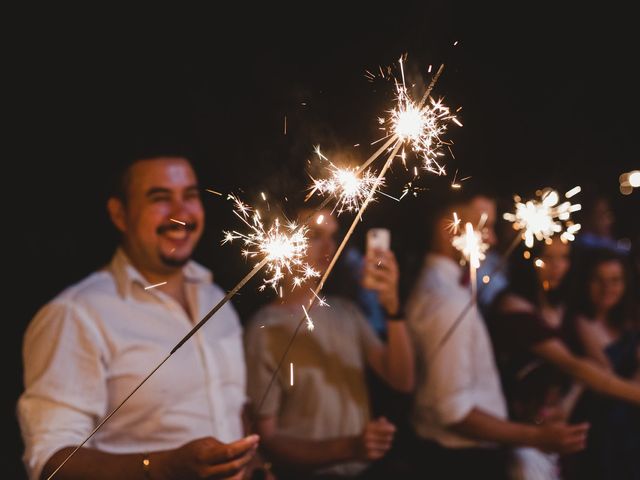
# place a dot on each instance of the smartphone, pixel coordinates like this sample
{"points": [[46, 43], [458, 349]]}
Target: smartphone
{"points": [[378, 239]]}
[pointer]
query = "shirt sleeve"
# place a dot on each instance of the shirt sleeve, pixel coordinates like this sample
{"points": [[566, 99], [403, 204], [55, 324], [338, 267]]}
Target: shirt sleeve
{"points": [[65, 384], [260, 345], [450, 372]]}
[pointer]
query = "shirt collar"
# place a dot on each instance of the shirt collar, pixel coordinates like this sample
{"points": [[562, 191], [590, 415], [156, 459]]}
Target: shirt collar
{"points": [[126, 275]]}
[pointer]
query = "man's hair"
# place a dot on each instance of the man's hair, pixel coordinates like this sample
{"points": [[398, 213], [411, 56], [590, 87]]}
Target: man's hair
{"points": [[120, 178], [441, 200]]}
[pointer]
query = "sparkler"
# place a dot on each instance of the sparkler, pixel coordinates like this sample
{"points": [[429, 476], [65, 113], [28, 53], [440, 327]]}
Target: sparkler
{"points": [[284, 247], [472, 246], [348, 185], [418, 126], [543, 217]]}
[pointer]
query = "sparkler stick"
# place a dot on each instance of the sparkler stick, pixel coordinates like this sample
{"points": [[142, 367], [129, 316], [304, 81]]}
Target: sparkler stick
{"points": [[320, 284]]}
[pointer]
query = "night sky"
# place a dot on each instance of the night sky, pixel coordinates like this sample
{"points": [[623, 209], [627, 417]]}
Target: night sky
{"points": [[549, 97]]}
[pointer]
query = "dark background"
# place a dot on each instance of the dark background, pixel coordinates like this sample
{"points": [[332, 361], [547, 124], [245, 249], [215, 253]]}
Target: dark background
{"points": [[549, 97]]}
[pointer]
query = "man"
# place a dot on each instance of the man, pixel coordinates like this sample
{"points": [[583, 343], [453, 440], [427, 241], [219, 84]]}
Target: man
{"points": [[459, 415], [317, 422], [91, 345]]}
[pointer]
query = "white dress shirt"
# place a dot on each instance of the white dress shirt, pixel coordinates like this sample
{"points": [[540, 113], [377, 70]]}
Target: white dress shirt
{"points": [[88, 348], [463, 374]]}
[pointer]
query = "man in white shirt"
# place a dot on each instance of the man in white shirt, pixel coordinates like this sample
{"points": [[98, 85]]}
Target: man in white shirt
{"points": [[91, 345], [460, 415]]}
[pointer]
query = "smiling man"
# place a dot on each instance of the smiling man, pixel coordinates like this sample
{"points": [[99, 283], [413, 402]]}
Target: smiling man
{"points": [[91, 345]]}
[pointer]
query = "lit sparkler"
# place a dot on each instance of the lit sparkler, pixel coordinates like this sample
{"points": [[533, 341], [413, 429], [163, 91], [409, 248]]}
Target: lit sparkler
{"points": [[419, 126], [284, 246], [348, 185], [471, 244], [543, 217], [473, 247]]}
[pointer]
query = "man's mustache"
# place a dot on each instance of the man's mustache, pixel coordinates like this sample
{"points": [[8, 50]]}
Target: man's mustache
{"points": [[189, 227]]}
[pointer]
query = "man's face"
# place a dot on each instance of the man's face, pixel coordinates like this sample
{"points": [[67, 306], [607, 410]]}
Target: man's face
{"points": [[163, 217], [323, 228]]}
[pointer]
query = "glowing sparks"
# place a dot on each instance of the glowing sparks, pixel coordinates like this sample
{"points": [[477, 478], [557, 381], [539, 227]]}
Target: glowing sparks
{"points": [[471, 245], [213, 192], [420, 127], [284, 246], [320, 219], [347, 185], [321, 301], [544, 217], [177, 221], [455, 224], [310, 325], [291, 374], [155, 285]]}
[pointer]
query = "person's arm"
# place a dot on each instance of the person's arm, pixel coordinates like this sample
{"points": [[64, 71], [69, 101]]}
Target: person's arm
{"points": [[553, 437], [592, 342], [593, 377], [394, 362], [304, 454], [201, 458]]}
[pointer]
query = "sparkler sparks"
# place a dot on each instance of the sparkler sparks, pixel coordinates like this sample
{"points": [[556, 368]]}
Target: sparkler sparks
{"points": [[543, 217], [348, 185], [155, 285], [284, 247], [418, 126], [310, 325], [471, 245]]}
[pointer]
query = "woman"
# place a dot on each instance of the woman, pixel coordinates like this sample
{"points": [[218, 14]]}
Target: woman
{"points": [[606, 327], [531, 341]]}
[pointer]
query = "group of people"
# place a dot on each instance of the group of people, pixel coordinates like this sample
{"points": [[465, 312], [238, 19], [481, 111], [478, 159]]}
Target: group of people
{"points": [[534, 381]]}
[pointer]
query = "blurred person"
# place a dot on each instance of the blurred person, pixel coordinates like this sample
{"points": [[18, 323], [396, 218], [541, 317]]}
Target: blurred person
{"points": [[318, 424], [460, 414], [91, 345], [495, 266], [541, 374], [598, 221], [605, 319]]}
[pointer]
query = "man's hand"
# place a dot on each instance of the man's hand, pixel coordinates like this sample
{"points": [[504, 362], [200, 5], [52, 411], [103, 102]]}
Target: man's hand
{"points": [[381, 274], [562, 438], [204, 458], [375, 441]]}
